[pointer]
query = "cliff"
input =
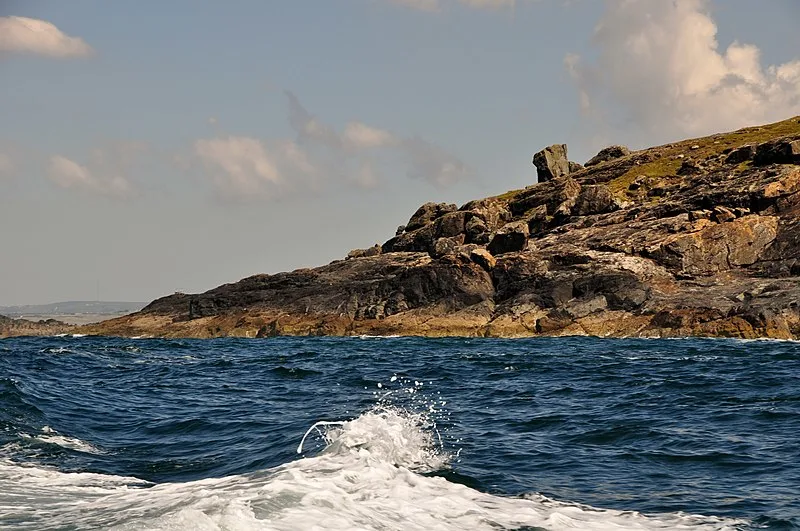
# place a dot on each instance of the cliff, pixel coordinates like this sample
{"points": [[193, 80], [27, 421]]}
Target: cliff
{"points": [[700, 237]]}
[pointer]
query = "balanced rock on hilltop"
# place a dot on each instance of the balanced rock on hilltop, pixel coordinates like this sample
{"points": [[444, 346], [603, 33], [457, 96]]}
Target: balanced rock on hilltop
{"points": [[700, 237], [551, 162]]}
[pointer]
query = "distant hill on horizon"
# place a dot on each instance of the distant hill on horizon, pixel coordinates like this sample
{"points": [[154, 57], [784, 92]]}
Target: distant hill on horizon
{"points": [[73, 307]]}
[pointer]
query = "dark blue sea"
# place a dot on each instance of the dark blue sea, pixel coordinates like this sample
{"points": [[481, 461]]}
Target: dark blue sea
{"points": [[399, 433]]}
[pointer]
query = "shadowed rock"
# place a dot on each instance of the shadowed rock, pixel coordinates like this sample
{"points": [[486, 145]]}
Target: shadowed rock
{"points": [[606, 154], [551, 162]]}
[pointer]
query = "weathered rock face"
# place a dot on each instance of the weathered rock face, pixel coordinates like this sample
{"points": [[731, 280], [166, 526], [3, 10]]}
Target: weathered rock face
{"points": [[551, 162], [694, 238]]}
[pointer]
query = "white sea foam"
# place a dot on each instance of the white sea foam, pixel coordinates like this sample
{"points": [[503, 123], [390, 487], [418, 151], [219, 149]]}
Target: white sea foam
{"points": [[367, 477], [51, 436]]}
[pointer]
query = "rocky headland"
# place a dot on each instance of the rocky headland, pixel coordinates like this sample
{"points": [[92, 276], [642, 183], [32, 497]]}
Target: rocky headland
{"points": [[24, 327], [694, 238]]}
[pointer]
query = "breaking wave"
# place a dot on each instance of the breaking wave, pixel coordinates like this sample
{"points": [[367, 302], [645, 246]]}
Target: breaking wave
{"points": [[376, 471]]}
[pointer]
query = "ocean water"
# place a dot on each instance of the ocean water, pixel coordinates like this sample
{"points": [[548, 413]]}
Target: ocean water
{"points": [[399, 433]]}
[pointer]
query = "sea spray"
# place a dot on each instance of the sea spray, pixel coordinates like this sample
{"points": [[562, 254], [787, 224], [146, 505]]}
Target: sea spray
{"points": [[569, 433]]}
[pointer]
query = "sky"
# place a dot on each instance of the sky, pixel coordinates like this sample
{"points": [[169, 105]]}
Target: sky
{"points": [[154, 147]]}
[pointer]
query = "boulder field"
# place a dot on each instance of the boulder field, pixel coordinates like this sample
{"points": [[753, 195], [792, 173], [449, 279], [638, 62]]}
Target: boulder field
{"points": [[695, 238]]}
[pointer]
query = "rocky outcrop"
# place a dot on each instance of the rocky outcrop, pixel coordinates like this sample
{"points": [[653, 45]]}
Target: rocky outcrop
{"points": [[609, 153], [23, 327], [700, 237], [551, 162], [427, 213]]}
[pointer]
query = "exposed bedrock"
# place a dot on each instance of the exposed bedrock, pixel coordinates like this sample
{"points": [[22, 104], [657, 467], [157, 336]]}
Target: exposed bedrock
{"points": [[700, 237]]}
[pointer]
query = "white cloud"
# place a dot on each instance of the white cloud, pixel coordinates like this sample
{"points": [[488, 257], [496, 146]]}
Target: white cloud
{"points": [[361, 136], [660, 62], [30, 35], [240, 165], [249, 168], [67, 173]]}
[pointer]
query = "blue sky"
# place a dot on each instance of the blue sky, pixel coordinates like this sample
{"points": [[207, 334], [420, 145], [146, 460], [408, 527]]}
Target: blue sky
{"points": [[150, 149]]}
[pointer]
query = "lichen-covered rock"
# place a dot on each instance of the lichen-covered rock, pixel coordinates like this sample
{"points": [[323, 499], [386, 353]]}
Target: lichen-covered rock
{"points": [[493, 211], [446, 246], [511, 237], [555, 195], [477, 231], [451, 224], [595, 199], [483, 258], [551, 162], [427, 213], [361, 253], [719, 247]]}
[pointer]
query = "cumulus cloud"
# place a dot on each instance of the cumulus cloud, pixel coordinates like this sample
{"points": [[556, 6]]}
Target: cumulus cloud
{"points": [[106, 172], [660, 63], [245, 167], [251, 168], [424, 160], [361, 136], [67, 173], [30, 35]]}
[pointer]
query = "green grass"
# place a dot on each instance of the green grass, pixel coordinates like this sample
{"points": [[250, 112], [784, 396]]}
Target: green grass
{"points": [[667, 163]]}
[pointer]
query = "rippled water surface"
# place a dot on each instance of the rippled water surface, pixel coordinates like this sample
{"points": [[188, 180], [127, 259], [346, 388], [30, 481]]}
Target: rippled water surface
{"points": [[575, 433]]}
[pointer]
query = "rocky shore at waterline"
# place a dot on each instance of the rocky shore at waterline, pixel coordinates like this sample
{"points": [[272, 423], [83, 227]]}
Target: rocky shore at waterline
{"points": [[695, 238]]}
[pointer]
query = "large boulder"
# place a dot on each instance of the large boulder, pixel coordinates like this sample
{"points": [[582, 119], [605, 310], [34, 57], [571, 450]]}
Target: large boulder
{"points": [[427, 213], [493, 211], [375, 250], [781, 151], [446, 246], [595, 199], [511, 237], [609, 153], [557, 195], [551, 162], [741, 154], [483, 258], [477, 231], [451, 224], [419, 240]]}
